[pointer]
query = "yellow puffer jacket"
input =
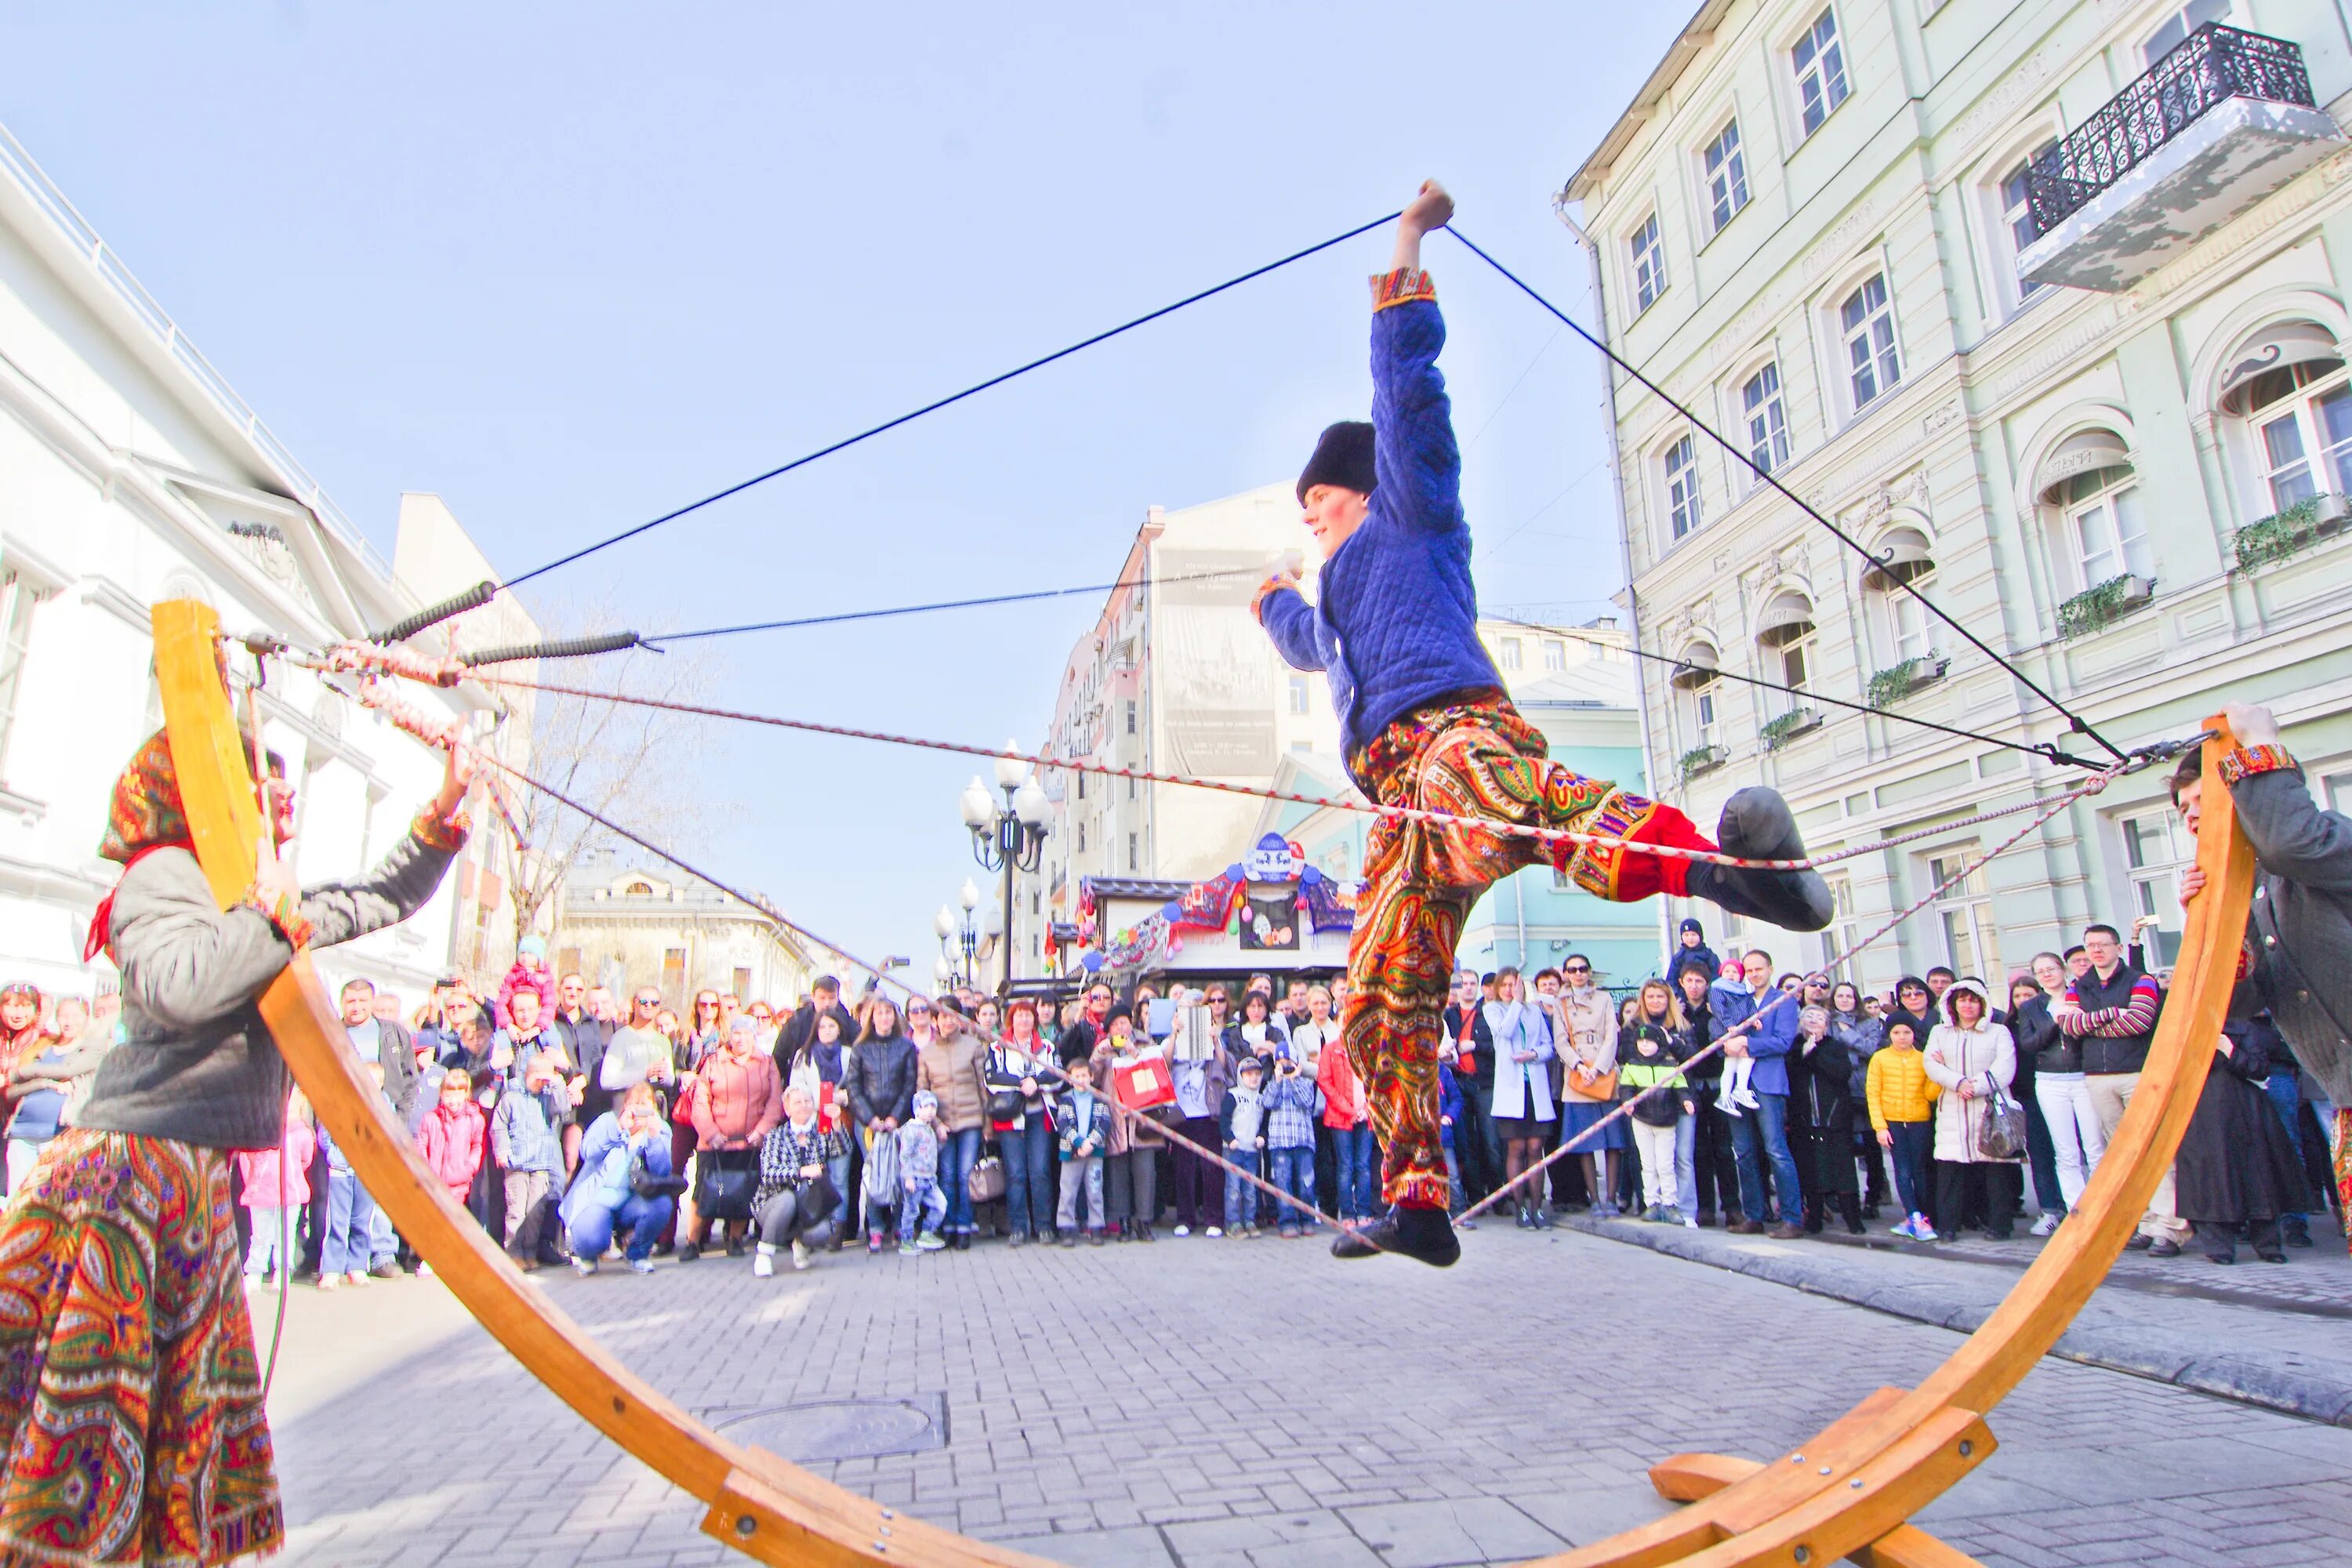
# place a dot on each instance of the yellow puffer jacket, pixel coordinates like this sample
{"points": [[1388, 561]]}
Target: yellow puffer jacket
{"points": [[1898, 1088]]}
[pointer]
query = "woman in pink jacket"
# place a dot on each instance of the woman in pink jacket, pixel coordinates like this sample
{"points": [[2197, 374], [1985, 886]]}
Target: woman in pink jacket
{"points": [[738, 1101], [276, 1185]]}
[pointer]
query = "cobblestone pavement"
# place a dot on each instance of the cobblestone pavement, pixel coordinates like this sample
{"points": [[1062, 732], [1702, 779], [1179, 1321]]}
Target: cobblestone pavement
{"points": [[1243, 1404]]}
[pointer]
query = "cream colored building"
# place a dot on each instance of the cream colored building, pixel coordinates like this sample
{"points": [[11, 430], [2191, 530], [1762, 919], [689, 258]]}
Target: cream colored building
{"points": [[2115, 451], [625, 924]]}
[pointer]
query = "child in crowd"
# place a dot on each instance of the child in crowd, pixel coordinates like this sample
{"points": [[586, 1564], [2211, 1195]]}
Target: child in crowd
{"points": [[344, 1249], [527, 1139], [1449, 1116], [1902, 1099], [918, 1176], [529, 969], [451, 1138], [1647, 1060], [1083, 1121], [1735, 1092], [1289, 1102], [276, 1190], [1241, 1126]]}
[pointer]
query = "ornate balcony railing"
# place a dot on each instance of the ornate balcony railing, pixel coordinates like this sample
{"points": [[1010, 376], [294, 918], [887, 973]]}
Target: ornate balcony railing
{"points": [[2212, 65]]}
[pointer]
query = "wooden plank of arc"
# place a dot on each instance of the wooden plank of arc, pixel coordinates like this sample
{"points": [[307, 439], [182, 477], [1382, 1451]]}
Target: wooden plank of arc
{"points": [[762, 1506], [2046, 1298], [1687, 1478]]}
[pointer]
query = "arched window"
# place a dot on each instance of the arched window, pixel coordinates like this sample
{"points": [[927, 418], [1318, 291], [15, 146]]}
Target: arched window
{"points": [[2089, 478], [1785, 632], [1681, 464], [1903, 559], [639, 890], [1701, 693], [2288, 382]]}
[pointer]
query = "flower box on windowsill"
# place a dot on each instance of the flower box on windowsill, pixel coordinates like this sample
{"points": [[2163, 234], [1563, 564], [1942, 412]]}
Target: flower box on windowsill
{"points": [[1701, 760], [2289, 532], [1896, 682], [2100, 606], [1796, 721]]}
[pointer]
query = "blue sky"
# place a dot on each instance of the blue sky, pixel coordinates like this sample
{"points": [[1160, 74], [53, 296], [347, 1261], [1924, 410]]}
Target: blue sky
{"points": [[572, 266]]}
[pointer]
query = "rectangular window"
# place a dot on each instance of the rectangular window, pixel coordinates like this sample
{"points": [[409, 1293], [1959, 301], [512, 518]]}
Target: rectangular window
{"points": [[1512, 658], [1794, 659], [1866, 321], [2289, 464], [1082, 786], [2156, 847], [1298, 694], [2179, 23], [1964, 914], [2107, 528], [674, 972], [1849, 929], [1082, 837], [1767, 423], [1555, 656], [1820, 61], [1913, 638], [1726, 175], [1130, 716], [1649, 265], [742, 982], [1130, 789], [1682, 487], [2306, 446], [1134, 851], [1702, 713], [19, 599], [2017, 215]]}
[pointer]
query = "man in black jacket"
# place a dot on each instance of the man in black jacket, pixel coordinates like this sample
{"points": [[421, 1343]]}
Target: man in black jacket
{"points": [[2299, 937], [1473, 1070], [824, 996]]}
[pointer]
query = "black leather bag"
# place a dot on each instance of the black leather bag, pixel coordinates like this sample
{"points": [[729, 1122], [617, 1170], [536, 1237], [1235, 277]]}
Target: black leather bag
{"points": [[725, 1192], [645, 1185]]}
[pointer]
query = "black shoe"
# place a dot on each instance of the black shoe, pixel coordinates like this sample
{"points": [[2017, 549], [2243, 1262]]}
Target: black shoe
{"points": [[687, 1252], [2142, 1243], [1425, 1234], [1757, 825], [734, 1247], [2274, 1256], [2168, 1247], [2297, 1232], [2222, 1257], [963, 1241]]}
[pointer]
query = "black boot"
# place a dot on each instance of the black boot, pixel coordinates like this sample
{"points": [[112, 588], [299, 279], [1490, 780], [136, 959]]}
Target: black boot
{"points": [[1423, 1232], [1850, 1211], [1757, 825]]}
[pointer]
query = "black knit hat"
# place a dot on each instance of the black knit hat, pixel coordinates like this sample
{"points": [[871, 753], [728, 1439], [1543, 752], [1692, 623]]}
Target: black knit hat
{"points": [[1343, 457]]}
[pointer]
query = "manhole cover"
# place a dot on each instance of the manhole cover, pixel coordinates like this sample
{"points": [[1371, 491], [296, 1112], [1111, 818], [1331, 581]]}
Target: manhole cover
{"points": [[828, 1429]]}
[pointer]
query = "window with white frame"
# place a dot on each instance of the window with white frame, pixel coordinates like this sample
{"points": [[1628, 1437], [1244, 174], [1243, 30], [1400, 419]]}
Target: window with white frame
{"points": [[1512, 654], [1909, 634], [1849, 929], [1796, 669], [2337, 788], [1555, 656], [1682, 487], [1706, 719], [19, 598], [1818, 59], [1866, 324], [1972, 942], [1726, 177], [1768, 421], [2102, 521], [1298, 694], [2157, 847], [2302, 417], [1649, 264], [2016, 216], [2179, 21], [1130, 716]]}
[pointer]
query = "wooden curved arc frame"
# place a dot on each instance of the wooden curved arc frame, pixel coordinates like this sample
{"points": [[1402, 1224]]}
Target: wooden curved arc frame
{"points": [[1846, 1493], [760, 1504]]}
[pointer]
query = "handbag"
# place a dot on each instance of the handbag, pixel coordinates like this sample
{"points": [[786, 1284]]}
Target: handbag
{"points": [[818, 1199], [724, 1192], [645, 1185], [2001, 1133], [985, 1184], [1585, 1081], [1142, 1085]]}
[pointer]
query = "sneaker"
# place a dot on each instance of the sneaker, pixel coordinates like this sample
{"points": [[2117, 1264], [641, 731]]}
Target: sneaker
{"points": [[425, 1270], [389, 1269], [2139, 1243], [764, 1262], [931, 1241], [1069, 1238], [800, 1255], [1212, 1233], [873, 1242], [331, 1281], [1096, 1238], [1020, 1238], [909, 1249], [2047, 1225], [1725, 1106], [641, 1266], [2168, 1247], [584, 1266], [1747, 1097], [356, 1277], [1689, 1224], [1183, 1230], [1921, 1230], [1900, 1227]]}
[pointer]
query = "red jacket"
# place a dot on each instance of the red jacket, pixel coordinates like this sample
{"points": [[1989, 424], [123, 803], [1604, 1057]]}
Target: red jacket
{"points": [[451, 1141], [279, 1178], [1343, 1092], [737, 1099]]}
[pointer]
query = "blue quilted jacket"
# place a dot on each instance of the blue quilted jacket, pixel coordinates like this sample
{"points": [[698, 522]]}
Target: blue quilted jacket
{"points": [[1397, 625]]}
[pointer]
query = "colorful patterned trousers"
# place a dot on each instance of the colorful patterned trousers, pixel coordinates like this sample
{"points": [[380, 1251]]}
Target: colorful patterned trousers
{"points": [[2344, 1168], [1471, 756]]}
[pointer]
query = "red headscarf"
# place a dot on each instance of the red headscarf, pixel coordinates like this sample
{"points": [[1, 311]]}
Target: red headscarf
{"points": [[145, 815]]}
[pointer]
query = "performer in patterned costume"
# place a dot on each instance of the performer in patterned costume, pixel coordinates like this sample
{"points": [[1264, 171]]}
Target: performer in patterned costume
{"points": [[130, 1398], [1425, 723]]}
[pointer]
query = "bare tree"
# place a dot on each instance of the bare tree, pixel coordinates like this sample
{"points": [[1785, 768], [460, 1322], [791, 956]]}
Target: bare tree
{"points": [[620, 759]]}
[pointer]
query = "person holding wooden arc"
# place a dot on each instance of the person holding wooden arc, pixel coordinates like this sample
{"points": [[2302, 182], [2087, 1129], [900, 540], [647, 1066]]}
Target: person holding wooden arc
{"points": [[1424, 723], [130, 1400]]}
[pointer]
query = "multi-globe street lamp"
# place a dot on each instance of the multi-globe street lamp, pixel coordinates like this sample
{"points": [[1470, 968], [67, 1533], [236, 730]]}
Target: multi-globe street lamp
{"points": [[959, 940], [1006, 838]]}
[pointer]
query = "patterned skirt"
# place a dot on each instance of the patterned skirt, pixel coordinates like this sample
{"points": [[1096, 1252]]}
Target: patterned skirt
{"points": [[130, 1398]]}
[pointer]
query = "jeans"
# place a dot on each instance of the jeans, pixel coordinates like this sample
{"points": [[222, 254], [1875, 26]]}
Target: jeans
{"points": [[591, 1232], [1200, 1186], [924, 1198], [2285, 1092], [1134, 1181], [384, 1242], [2111, 1094], [1027, 1152], [1353, 1147], [270, 1226], [1241, 1198], [1908, 1155], [2042, 1153], [1759, 1135], [2077, 1137], [1455, 1198], [1293, 1170], [1686, 1164], [959, 1152], [344, 1248], [1081, 1175]]}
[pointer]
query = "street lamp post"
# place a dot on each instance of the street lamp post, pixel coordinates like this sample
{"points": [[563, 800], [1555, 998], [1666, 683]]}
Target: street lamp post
{"points": [[1006, 838], [959, 940]]}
